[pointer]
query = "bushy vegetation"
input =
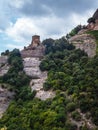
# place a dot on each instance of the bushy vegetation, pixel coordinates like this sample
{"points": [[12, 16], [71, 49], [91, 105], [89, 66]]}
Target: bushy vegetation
{"points": [[76, 115], [75, 31], [6, 53], [73, 72], [91, 20], [15, 77], [73, 77]]}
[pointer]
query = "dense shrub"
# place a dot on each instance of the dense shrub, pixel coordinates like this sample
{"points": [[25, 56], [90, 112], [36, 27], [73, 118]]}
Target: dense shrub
{"points": [[76, 115]]}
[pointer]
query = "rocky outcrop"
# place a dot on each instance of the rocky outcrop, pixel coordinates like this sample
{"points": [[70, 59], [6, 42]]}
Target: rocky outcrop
{"points": [[4, 67], [96, 27], [85, 42], [31, 68], [5, 98], [5, 95], [3, 60], [32, 56], [33, 51], [37, 84], [93, 21], [83, 121]]}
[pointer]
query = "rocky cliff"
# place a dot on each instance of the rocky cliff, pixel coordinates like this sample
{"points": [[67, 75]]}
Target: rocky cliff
{"points": [[32, 56], [31, 68], [4, 67], [5, 97], [33, 51], [85, 42]]}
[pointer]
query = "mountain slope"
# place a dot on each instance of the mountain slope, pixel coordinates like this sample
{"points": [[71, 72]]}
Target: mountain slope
{"points": [[71, 75], [85, 42]]}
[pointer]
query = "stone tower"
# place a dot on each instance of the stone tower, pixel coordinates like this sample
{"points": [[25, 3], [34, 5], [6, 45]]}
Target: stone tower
{"points": [[35, 41], [35, 49]]}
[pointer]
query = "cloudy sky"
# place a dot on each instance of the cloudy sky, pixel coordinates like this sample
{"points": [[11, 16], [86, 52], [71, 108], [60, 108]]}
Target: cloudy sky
{"points": [[20, 19]]}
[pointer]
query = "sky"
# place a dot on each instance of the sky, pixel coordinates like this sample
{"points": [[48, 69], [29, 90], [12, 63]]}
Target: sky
{"points": [[21, 19]]}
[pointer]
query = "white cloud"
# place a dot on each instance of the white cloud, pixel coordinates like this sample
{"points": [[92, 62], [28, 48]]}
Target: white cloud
{"points": [[1, 31], [11, 46], [82, 19], [25, 27], [16, 3], [21, 30], [20, 19], [50, 26]]}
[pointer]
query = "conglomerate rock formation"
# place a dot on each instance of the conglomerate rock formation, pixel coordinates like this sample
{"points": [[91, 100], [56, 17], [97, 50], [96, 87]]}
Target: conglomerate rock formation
{"points": [[84, 42], [4, 67], [32, 56], [5, 97]]}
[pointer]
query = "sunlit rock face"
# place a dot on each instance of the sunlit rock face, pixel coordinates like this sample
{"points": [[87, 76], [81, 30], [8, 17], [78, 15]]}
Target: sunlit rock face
{"points": [[32, 56], [5, 95], [84, 42], [3, 60], [37, 84], [4, 67], [31, 66], [33, 51]]}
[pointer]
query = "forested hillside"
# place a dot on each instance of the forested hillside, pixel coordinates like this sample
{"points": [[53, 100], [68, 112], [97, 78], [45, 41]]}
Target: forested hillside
{"points": [[71, 75]]}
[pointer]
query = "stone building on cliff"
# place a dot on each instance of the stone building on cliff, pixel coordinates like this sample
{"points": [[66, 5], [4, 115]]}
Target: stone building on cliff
{"points": [[35, 49], [35, 41]]}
